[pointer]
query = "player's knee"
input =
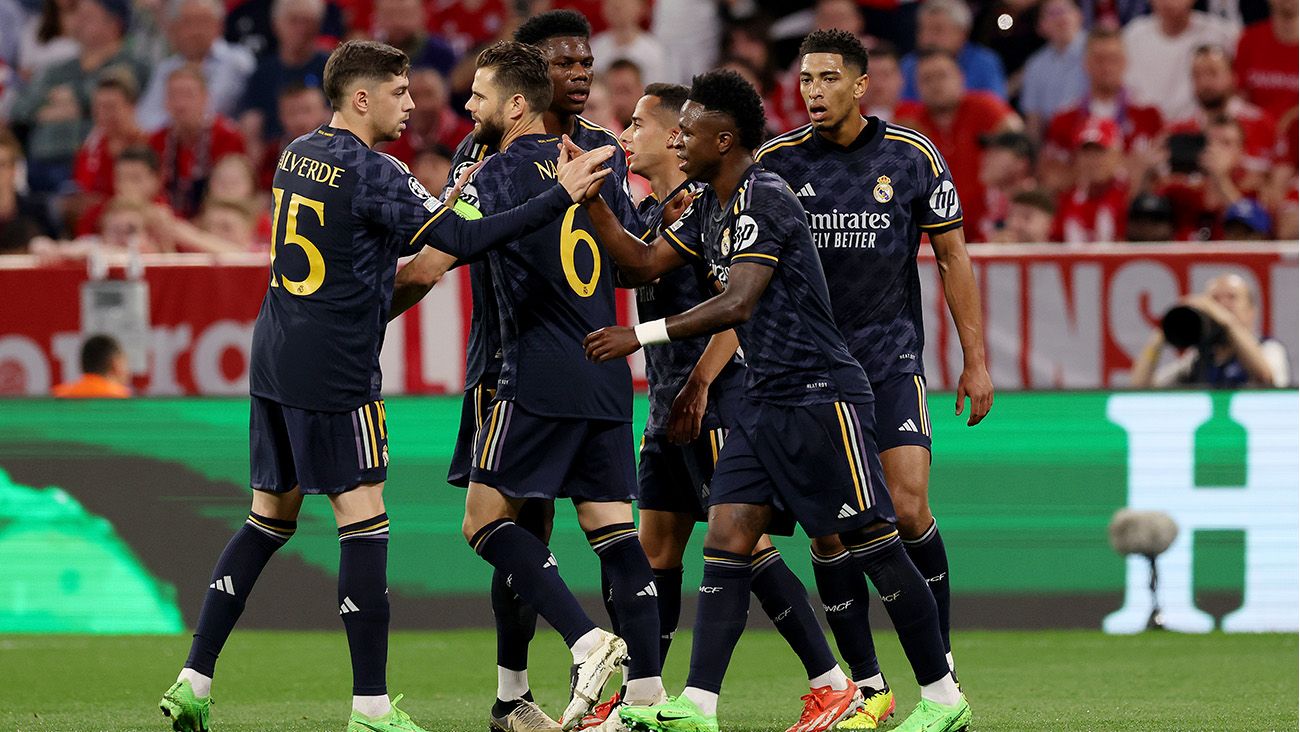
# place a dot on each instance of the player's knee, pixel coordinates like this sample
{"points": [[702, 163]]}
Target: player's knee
{"points": [[662, 551], [913, 511], [827, 546]]}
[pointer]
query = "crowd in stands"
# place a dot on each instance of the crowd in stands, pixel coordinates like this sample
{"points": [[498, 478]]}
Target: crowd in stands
{"points": [[156, 125]]}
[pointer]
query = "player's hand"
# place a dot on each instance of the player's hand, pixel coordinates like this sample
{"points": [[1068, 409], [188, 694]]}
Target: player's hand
{"points": [[687, 412], [976, 384], [450, 199], [674, 209], [610, 343], [581, 176]]}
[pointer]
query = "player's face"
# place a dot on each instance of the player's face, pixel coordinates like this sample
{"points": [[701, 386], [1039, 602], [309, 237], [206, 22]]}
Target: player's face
{"points": [[570, 62], [390, 106], [830, 90], [697, 142], [648, 139], [486, 109]]}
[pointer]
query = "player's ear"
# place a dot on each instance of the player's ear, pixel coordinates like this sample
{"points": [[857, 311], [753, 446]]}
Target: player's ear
{"points": [[860, 86], [361, 100], [725, 141]]}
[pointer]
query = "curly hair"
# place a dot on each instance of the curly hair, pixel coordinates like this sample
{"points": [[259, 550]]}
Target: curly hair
{"points": [[553, 24], [726, 92], [847, 45]]}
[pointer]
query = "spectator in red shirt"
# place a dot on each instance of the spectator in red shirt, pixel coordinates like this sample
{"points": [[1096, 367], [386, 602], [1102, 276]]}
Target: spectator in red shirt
{"points": [[955, 120], [113, 110], [1222, 178], [1215, 88], [301, 110], [1105, 62], [1006, 170], [1268, 60], [193, 142], [468, 24], [136, 177], [433, 123], [1095, 209]]}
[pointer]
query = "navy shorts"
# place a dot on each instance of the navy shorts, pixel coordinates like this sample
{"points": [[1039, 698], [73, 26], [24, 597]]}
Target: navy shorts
{"points": [[815, 465], [319, 452], [902, 417], [675, 478], [525, 455], [474, 408]]}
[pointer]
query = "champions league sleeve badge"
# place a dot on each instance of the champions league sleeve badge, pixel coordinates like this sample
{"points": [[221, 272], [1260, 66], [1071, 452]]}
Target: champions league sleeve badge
{"points": [[884, 192]]}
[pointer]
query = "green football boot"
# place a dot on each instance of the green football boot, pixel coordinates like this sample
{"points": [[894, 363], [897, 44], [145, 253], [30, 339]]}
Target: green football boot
{"points": [[678, 714], [395, 721], [187, 712], [929, 716]]}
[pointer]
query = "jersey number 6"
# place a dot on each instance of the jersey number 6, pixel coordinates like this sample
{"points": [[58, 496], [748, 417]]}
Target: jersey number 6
{"points": [[315, 262], [570, 238]]}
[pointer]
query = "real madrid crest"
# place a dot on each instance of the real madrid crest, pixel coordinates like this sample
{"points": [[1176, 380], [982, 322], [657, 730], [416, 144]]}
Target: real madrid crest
{"points": [[726, 241], [883, 190]]}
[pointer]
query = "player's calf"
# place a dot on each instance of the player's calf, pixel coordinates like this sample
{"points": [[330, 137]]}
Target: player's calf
{"points": [[633, 594]]}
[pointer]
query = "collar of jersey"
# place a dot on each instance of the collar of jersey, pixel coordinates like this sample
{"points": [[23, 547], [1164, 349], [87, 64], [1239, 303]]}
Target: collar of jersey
{"points": [[868, 139]]}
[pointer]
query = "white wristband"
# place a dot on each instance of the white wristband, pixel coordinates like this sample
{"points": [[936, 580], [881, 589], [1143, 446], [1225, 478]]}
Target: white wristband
{"points": [[649, 334]]}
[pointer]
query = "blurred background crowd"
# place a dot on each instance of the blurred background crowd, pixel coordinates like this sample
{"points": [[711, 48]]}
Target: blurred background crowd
{"points": [[156, 124]]}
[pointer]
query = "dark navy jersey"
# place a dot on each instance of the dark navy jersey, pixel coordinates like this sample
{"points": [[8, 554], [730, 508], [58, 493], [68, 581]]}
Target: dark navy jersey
{"points": [[342, 215], [867, 205], [552, 288], [793, 352], [483, 347], [668, 365]]}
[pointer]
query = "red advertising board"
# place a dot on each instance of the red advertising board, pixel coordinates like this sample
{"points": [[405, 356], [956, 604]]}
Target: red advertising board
{"points": [[1054, 317]]}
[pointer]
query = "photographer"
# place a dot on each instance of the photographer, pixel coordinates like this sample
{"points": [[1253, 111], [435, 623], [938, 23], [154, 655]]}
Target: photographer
{"points": [[1216, 329]]}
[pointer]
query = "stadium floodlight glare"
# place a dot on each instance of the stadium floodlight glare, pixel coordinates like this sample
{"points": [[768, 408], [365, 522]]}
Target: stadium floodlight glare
{"points": [[1148, 533]]}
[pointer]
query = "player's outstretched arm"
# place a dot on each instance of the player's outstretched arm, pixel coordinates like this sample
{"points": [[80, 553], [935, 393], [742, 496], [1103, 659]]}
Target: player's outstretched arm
{"points": [[745, 285], [964, 301], [469, 238], [638, 262], [687, 412]]}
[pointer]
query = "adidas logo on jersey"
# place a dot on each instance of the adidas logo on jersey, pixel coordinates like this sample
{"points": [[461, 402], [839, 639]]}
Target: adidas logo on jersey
{"points": [[649, 591], [846, 511], [908, 426], [223, 584], [348, 606], [807, 191], [550, 562]]}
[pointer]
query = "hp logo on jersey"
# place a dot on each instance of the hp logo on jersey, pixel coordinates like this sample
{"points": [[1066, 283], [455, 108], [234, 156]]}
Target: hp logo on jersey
{"points": [[943, 202]]}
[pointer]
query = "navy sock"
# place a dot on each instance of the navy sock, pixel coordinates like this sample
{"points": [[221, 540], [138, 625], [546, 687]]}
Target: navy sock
{"points": [[906, 598], [785, 600], [632, 594], [930, 557], [607, 596], [846, 598], [532, 572], [719, 618], [232, 580], [516, 620], [363, 601], [669, 584]]}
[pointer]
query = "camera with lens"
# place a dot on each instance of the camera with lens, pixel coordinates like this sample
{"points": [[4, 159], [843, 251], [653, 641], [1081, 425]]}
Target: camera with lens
{"points": [[1185, 327]]}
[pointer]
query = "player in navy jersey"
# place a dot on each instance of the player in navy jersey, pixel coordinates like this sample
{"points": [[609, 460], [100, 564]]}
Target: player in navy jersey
{"points": [[560, 425], [342, 215], [563, 36], [871, 188], [693, 393], [802, 444]]}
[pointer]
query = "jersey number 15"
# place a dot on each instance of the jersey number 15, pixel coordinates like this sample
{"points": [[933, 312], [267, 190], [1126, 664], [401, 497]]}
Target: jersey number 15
{"points": [[315, 262]]}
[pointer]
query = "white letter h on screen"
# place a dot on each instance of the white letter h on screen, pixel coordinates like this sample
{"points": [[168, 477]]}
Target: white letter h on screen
{"points": [[1161, 434]]}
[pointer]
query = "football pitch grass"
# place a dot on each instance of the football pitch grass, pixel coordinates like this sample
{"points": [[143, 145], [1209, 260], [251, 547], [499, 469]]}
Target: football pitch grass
{"points": [[1040, 681]]}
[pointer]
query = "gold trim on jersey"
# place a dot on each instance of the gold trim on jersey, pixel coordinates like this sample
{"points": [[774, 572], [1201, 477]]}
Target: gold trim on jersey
{"points": [[802, 138], [755, 254], [934, 164], [942, 223]]}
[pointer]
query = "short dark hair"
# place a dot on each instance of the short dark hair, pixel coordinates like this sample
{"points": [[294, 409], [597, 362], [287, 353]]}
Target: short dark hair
{"points": [[727, 92], [294, 88], [625, 63], [1036, 198], [553, 24], [834, 40], [519, 69], [885, 49], [671, 96], [361, 60], [926, 54], [121, 79], [1103, 33], [140, 154], [97, 354]]}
